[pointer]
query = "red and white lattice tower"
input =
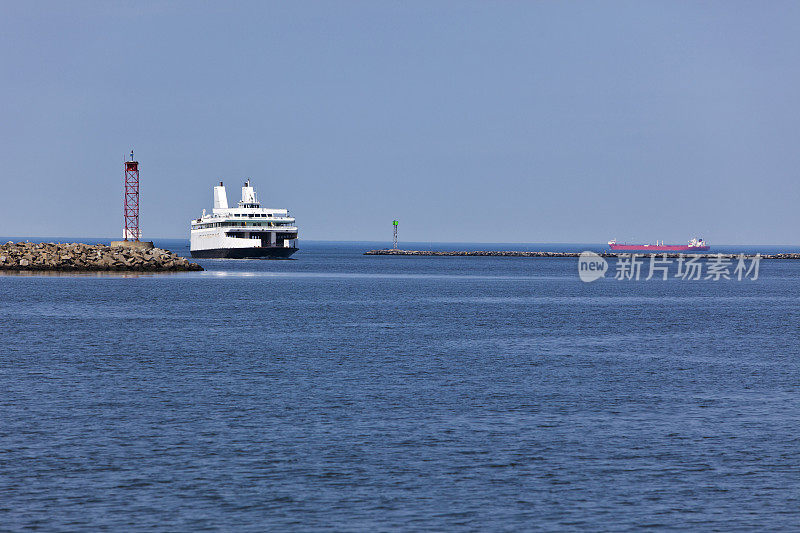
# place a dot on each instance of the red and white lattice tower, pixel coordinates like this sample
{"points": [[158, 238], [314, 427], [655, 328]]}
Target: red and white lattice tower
{"points": [[131, 209]]}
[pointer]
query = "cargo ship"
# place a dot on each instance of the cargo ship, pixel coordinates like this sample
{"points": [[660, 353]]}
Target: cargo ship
{"points": [[695, 245], [245, 231]]}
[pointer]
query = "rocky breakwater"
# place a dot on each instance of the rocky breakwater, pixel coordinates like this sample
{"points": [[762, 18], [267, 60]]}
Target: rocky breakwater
{"points": [[492, 253], [77, 257], [472, 253]]}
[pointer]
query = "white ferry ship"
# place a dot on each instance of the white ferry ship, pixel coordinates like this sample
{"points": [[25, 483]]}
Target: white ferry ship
{"points": [[248, 230]]}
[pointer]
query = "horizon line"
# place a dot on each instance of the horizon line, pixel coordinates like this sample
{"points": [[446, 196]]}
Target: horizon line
{"points": [[4, 239]]}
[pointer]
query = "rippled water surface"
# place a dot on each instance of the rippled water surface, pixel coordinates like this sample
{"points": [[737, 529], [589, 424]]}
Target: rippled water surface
{"points": [[338, 391]]}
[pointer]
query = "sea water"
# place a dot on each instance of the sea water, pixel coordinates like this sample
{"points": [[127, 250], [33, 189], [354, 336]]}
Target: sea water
{"points": [[349, 392]]}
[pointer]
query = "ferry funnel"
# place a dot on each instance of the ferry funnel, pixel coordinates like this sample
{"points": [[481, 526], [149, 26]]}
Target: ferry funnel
{"points": [[248, 194], [220, 198]]}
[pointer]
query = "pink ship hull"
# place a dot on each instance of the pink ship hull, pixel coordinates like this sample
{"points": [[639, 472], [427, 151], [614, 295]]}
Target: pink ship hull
{"points": [[658, 248]]}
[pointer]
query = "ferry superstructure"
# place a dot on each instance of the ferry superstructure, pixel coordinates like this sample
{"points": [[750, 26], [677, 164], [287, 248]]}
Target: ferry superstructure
{"points": [[245, 231]]}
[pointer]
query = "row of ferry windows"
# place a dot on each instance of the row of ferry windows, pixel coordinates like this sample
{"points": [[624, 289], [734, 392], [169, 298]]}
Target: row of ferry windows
{"points": [[238, 224], [241, 235], [248, 215]]}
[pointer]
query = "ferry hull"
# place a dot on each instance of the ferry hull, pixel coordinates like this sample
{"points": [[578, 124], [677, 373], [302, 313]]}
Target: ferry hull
{"points": [[273, 252], [658, 248]]}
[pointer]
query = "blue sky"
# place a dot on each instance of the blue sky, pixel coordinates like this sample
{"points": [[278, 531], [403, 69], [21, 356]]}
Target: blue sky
{"points": [[467, 121]]}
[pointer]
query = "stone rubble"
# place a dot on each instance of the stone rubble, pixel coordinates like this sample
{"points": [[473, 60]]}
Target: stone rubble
{"points": [[87, 257]]}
